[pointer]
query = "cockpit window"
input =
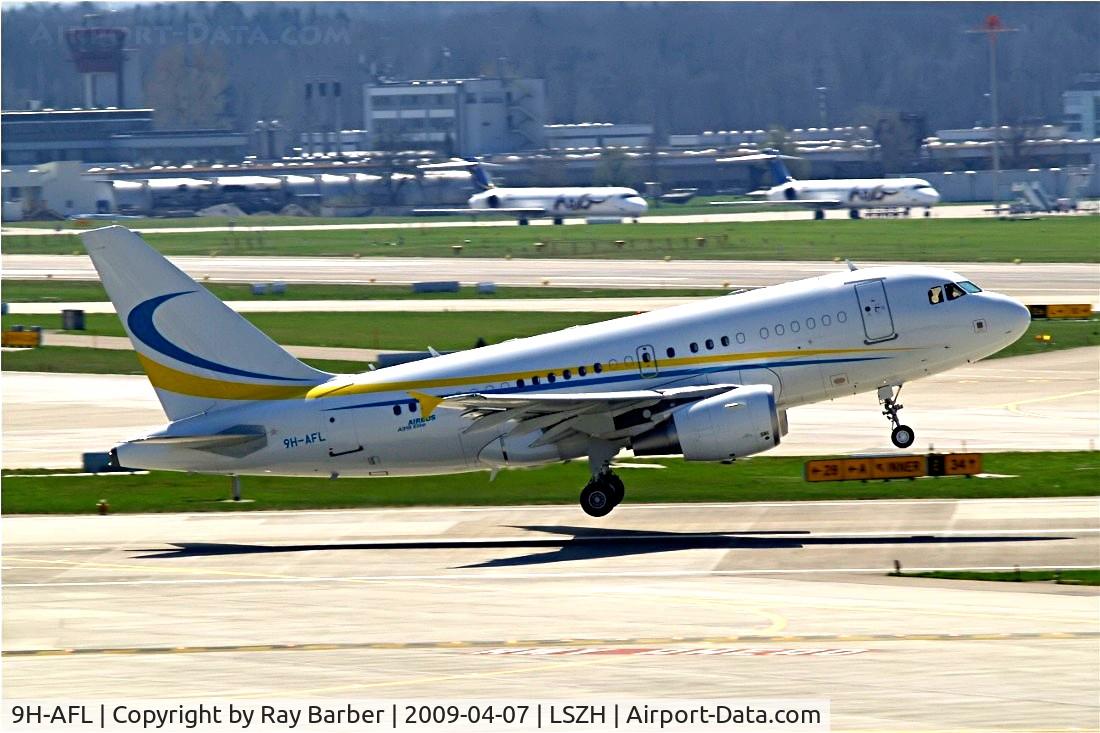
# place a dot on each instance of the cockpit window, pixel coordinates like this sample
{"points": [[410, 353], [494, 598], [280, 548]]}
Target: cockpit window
{"points": [[969, 286], [935, 294], [953, 291]]}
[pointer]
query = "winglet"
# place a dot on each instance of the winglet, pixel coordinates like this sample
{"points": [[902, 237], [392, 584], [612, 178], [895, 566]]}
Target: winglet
{"points": [[428, 402]]}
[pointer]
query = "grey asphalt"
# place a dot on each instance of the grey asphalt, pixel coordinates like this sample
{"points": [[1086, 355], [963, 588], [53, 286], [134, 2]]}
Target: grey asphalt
{"points": [[779, 599], [1034, 283]]}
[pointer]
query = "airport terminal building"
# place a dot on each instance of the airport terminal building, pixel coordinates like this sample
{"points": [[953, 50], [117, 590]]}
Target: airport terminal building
{"points": [[464, 117]]}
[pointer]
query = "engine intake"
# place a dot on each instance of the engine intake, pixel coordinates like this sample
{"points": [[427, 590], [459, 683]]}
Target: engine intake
{"points": [[731, 425]]}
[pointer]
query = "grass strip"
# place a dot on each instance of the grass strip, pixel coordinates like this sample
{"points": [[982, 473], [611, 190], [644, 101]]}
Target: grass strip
{"points": [[1063, 239], [1062, 577], [759, 479]]}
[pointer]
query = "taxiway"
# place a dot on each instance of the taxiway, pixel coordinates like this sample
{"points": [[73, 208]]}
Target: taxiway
{"points": [[783, 599]]}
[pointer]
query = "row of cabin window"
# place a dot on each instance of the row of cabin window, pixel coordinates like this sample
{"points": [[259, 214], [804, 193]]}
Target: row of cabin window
{"points": [[780, 329], [567, 374]]}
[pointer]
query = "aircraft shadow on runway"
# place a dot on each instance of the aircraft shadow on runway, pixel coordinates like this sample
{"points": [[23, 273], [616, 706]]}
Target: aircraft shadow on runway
{"points": [[590, 543]]}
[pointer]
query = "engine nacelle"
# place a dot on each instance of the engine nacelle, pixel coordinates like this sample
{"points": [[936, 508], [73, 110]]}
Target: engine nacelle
{"points": [[731, 425]]}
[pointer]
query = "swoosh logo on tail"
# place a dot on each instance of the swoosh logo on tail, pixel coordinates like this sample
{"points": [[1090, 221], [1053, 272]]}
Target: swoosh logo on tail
{"points": [[141, 325]]}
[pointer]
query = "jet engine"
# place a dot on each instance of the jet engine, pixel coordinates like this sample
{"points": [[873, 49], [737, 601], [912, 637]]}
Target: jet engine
{"points": [[731, 425]]}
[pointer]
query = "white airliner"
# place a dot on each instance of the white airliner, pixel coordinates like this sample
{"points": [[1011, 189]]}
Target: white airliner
{"points": [[556, 202], [710, 381], [853, 194]]}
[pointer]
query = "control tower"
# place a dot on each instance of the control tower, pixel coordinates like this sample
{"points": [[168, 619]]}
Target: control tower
{"points": [[100, 58]]}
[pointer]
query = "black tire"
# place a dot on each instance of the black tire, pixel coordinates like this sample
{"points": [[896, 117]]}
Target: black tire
{"points": [[853, 213], [597, 499], [819, 214], [558, 221], [616, 487], [523, 222], [902, 436]]}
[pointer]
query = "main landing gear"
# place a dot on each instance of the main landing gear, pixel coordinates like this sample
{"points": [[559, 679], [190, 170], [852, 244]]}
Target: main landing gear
{"points": [[602, 494], [902, 435], [819, 214], [605, 490], [854, 214]]}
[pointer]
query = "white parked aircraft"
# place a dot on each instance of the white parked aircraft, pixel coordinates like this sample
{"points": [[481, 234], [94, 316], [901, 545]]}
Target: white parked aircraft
{"points": [[710, 381], [853, 194], [556, 202]]}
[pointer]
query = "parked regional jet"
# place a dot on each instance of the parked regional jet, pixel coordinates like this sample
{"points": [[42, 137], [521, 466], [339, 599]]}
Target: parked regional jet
{"points": [[853, 194], [556, 202], [710, 381]]}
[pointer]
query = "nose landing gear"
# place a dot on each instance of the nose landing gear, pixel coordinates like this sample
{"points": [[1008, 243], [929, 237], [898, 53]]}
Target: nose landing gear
{"points": [[902, 435]]}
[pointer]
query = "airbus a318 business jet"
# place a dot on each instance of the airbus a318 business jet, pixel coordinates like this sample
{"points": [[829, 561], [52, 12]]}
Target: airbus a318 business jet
{"points": [[854, 194], [556, 203], [710, 381]]}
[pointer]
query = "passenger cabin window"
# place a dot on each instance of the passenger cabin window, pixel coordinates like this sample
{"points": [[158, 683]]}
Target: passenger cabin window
{"points": [[725, 340], [779, 330], [519, 383], [709, 343], [551, 378], [694, 347], [567, 374], [597, 367], [397, 409], [671, 352], [534, 380], [582, 370], [740, 337], [412, 407]]}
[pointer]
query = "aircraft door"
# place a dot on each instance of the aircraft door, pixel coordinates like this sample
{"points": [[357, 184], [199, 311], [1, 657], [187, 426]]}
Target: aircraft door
{"points": [[339, 431], [647, 361], [878, 323]]}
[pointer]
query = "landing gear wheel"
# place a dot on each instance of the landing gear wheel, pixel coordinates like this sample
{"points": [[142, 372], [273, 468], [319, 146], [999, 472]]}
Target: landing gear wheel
{"points": [[819, 214], [853, 213], [616, 487], [902, 436], [597, 499], [523, 222], [558, 221]]}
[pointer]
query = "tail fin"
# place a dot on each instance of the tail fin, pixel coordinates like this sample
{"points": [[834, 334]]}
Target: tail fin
{"points": [[199, 355], [779, 171], [481, 178]]}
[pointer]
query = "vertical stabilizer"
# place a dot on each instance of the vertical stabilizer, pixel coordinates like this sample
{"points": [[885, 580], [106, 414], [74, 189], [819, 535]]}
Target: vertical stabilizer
{"points": [[481, 178], [778, 169], [198, 353]]}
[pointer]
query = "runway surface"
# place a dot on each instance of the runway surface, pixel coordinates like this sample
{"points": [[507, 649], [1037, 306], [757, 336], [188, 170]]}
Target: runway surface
{"points": [[1035, 283], [1041, 402], [752, 600], [965, 211]]}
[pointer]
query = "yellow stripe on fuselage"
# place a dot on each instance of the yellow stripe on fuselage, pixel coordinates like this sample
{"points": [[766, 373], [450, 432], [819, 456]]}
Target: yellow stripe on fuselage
{"points": [[173, 380], [326, 390]]}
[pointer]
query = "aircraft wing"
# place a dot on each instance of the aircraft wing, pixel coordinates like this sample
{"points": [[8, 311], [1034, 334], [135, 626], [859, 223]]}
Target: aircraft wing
{"points": [[513, 212], [805, 203], [607, 415]]}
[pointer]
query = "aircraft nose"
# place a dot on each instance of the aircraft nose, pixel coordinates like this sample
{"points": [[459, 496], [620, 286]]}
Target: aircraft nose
{"points": [[932, 195], [636, 205], [1011, 317]]}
